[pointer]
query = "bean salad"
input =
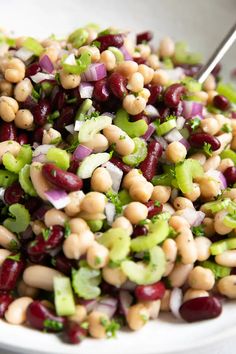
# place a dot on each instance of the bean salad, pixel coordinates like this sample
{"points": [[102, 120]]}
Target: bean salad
{"points": [[117, 183]]}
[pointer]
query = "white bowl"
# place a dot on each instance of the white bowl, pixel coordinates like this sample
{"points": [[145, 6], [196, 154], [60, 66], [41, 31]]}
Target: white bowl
{"points": [[200, 23]]}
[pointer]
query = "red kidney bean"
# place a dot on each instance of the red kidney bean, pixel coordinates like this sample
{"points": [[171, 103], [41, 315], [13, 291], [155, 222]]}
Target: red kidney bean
{"points": [[32, 204], [173, 94], [198, 139], [117, 84], [74, 333], [108, 289], [121, 165], [150, 292], [62, 179], [100, 91], [38, 258], [7, 131], [153, 209], [139, 230], [108, 40], [74, 165], [32, 69], [29, 103], [43, 244], [13, 194], [139, 60], [26, 235], [201, 308], [58, 98], [140, 116], [221, 102], [10, 272], [144, 37], [230, 175], [40, 317], [155, 93], [22, 138], [5, 300], [67, 117], [63, 264], [41, 112], [177, 111], [149, 165], [40, 212], [37, 135]]}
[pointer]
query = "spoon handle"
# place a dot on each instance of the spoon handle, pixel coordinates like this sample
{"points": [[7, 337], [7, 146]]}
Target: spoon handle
{"points": [[217, 55]]}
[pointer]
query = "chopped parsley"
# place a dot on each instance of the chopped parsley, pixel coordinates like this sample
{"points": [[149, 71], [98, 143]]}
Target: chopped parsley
{"points": [[46, 234], [96, 44], [170, 117], [122, 137], [157, 203], [53, 325], [53, 116], [198, 230], [84, 325], [143, 222], [81, 65], [195, 123], [13, 246], [114, 199], [226, 128], [207, 149], [144, 317], [111, 327], [98, 260], [15, 257], [67, 229], [35, 94]]}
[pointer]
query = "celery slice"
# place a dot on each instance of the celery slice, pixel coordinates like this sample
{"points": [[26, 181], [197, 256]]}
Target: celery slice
{"points": [[217, 205], [229, 154], [146, 274], [227, 90], [15, 164], [33, 46], [230, 220], [182, 56], [78, 37], [83, 109], [219, 271], [185, 172], [221, 246], [7, 178], [117, 240], [165, 127], [60, 157], [25, 182], [21, 220], [64, 300], [158, 232], [138, 155], [118, 54], [162, 180], [92, 126], [85, 282], [91, 162], [133, 129]]}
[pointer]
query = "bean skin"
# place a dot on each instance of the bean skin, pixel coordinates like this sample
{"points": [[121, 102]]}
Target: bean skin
{"points": [[114, 40], [9, 273], [150, 292], [62, 179], [173, 94], [198, 139], [144, 37], [153, 209], [7, 131], [149, 165], [121, 165], [201, 308], [5, 300]]}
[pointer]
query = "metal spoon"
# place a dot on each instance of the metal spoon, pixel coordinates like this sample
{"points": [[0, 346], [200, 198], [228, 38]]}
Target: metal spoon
{"points": [[217, 55]]}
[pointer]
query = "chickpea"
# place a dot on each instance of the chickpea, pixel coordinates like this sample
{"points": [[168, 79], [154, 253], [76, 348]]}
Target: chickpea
{"points": [[168, 208], [145, 94], [25, 290], [153, 61], [209, 188], [186, 246], [135, 212], [200, 157], [224, 140], [51, 136], [201, 278], [124, 146], [224, 164], [73, 208], [220, 119], [127, 68], [231, 193], [108, 59], [15, 70], [233, 143], [170, 249], [97, 256], [210, 126], [55, 217], [226, 286], [6, 88], [165, 301], [98, 144], [79, 315], [134, 105], [203, 96], [144, 50], [167, 47], [24, 119], [69, 81], [97, 321], [194, 293], [78, 225], [23, 89], [160, 77], [195, 194], [37, 227], [52, 52], [75, 245], [203, 245], [92, 35], [212, 163], [137, 316], [92, 50], [91, 216], [93, 202], [136, 82], [141, 191], [211, 95], [123, 223], [219, 226], [114, 276], [161, 193], [182, 203], [179, 274], [8, 108], [131, 177], [147, 73], [209, 229], [3, 255], [227, 258], [210, 83], [16, 312], [178, 222], [176, 152], [101, 180]]}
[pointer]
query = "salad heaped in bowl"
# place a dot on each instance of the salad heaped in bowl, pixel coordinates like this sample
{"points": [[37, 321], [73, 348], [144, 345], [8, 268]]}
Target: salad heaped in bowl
{"points": [[117, 183]]}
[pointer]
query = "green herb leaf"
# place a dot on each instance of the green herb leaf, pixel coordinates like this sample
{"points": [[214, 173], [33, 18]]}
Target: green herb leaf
{"points": [[111, 327], [81, 66], [226, 128], [84, 325], [198, 230], [46, 234], [157, 203], [207, 149], [143, 222], [67, 229], [53, 325], [114, 199], [53, 116], [195, 123], [15, 257], [33, 45], [13, 246]]}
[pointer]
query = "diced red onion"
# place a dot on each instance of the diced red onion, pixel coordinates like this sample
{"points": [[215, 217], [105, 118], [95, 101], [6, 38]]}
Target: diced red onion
{"points": [[192, 216], [125, 52], [116, 175], [128, 285], [199, 219], [161, 141], [180, 121], [46, 64], [70, 128], [42, 149], [81, 152], [58, 198], [24, 54], [173, 135], [78, 125], [39, 158], [88, 304], [151, 111], [94, 72], [175, 74], [107, 306], [219, 177], [39, 77], [126, 300], [233, 114], [110, 212], [149, 132], [192, 109], [86, 90], [176, 298], [185, 143], [108, 114], [70, 60]]}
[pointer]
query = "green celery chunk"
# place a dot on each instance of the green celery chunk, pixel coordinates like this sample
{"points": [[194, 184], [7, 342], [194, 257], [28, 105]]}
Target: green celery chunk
{"points": [[78, 37], [25, 181], [222, 246], [162, 180], [133, 129], [7, 178], [117, 240], [227, 90], [15, 164], [85, 282], [230, 220], [165, 127], [217, 205], [185, 172], [124, 197], [229, 154], [21, 220], [82, 64], [191, 84], [182, 56], [92, 126], [33, 46], [63, 296], [91, 162], [157, 233], [118, 54], [95, 225], [60, 157], [138, 155], [83, 109], [143, 274], [219, 271]]}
